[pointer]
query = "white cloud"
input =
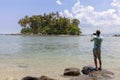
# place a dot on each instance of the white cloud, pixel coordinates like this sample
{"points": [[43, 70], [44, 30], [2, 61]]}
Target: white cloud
{"points": [[68, 14], [116, 5], [59, 2], [61, 14], [91, 19]]}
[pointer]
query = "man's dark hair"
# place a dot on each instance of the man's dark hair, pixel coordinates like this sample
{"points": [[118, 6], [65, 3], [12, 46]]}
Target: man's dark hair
{"points": [[98, 32]]}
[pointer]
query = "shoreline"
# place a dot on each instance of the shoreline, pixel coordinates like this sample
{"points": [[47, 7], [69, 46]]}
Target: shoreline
{"points": [[57, 75], [43, 35]]}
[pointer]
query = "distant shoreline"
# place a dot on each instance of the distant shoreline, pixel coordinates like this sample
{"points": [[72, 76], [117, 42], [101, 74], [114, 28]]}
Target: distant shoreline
{"points": [[43, 35]]}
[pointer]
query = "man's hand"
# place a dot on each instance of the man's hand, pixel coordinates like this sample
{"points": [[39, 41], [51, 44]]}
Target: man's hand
{"points": [[91, 38]]}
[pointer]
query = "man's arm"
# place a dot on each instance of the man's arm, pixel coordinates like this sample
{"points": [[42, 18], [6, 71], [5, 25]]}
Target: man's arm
{"points": [[92, 38]]}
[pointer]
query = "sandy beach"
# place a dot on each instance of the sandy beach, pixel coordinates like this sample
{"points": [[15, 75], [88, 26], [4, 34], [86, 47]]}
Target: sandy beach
{"points": [[17, 72]]}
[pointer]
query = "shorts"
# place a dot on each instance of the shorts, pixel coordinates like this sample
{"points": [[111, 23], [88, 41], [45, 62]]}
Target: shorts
{"points": [[97, 53]]}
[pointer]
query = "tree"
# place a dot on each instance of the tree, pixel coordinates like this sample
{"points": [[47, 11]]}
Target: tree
{"points": [[76, 21], [51, 23], [25, 31]]}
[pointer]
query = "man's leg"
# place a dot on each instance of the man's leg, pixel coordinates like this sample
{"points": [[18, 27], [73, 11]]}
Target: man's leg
{"points": [[95, 61], [99, 58], [100, 63], [95, 58]]}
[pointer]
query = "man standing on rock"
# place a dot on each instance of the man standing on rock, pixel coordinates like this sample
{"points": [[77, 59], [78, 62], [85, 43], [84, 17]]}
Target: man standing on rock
{"points": [[97, 49]]}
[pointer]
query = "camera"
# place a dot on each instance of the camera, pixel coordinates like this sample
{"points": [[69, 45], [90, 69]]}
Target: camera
{"points": [[94, 33]]}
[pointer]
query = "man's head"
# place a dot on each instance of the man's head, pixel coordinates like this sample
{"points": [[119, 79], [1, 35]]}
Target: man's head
{"points": [[98, 32]]}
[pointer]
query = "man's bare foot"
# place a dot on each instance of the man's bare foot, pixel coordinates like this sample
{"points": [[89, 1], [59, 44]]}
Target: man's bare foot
{"points": [[100, 69]]}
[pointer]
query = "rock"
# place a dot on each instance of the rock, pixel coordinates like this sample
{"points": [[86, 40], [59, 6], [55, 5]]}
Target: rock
{"points": [[46, 78], [87, 70], [35, 78], [105, 74], [71, 72], [30, 78]]}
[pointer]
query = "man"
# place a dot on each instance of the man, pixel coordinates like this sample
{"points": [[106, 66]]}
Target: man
{"points": [[97, 49]]}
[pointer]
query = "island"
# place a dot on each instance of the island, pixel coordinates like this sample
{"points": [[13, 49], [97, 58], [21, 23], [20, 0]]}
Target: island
{"points": [[49, 24], [116, 35]]}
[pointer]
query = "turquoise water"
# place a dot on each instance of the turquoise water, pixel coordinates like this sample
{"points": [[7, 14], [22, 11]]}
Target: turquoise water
{"points": [[54, 52]]}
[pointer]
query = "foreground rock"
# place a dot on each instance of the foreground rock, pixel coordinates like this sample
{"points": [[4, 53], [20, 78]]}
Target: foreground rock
{"points": [[96, 75], [30, 78], [89, 73], [36, 78], [71, 72], [87, 70], [46, 78]]}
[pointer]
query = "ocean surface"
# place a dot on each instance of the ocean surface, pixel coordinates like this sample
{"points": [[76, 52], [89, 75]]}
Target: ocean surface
{"points": [[49, 55]]}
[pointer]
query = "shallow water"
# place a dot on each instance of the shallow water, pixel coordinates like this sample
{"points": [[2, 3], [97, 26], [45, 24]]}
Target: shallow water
{"points": [[49, 55]]}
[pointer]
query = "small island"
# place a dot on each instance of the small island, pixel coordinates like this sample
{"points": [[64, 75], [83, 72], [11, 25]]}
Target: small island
{"points": [[49, 24], [116, 35]]}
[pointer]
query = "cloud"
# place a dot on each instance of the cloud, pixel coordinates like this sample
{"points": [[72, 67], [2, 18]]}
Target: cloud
{"points": [[68, 14], [61, 14], [91, 19], [59, 2], [116, 5]]}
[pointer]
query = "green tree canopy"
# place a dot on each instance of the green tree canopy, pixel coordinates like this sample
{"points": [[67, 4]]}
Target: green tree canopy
{"points": [[48, 24]]}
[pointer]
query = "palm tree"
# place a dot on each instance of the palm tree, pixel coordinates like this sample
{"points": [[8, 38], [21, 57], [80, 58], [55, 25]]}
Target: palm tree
{"points": [[51, 23], [75, 21]]}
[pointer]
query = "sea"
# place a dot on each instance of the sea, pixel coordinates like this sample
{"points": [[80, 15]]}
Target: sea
{"points": [[22, 55]]}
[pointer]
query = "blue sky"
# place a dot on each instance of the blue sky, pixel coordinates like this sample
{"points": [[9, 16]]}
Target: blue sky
{"points": [[93, 14]]}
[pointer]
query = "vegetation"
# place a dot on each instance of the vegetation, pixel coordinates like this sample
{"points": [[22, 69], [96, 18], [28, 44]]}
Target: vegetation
{"points": [[49, 24]]}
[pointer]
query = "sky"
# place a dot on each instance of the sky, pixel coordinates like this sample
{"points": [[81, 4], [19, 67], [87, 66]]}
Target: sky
{"points": [[93, 14]]}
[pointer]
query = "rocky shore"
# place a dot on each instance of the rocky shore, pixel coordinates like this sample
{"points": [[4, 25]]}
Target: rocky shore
{"points": [[72, 73]]}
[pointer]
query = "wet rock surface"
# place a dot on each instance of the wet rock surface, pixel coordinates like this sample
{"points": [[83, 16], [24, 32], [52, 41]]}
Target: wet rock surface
{"points": [[87, 70], [38, 78], [89, 73], [71, 72]]}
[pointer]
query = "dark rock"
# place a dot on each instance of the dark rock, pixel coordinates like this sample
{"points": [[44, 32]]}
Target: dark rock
{"points": [[97, 75], [87, 70], [72, 72], [35, 78], [46, 78], [30, 78]]}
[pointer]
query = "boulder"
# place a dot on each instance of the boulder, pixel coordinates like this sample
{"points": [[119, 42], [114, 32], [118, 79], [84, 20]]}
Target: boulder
{"points": [[87, 70], [105, 74], [46, 78], [30, 78], [71, 72], [36, 78]]}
